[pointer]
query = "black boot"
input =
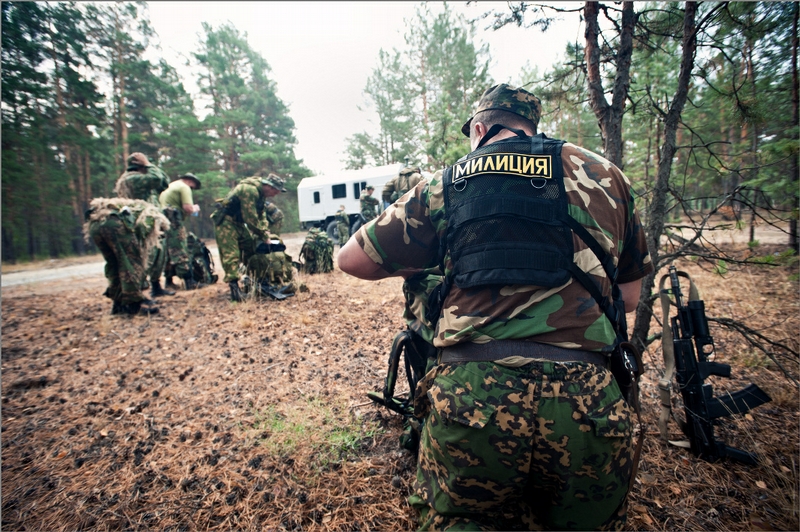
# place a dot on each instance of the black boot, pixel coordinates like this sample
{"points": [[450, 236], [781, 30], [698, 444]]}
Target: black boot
{"points": [[236, 294], [190, 283], [169, 284], [117, 308], [142, 308], [157, 291]]}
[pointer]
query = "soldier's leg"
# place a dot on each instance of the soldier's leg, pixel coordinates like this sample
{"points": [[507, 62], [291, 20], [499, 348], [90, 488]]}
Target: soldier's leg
{"points": [[131, 261], [101, 235], [475, 448], [159, 260], [227, 238], [177, 250], [583, 446]]}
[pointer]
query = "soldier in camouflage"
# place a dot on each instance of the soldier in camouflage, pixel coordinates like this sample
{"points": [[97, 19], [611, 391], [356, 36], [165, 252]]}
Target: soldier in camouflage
{"points": [[143, 180], [368, 203], [240, 224], [177, 203], [407, 179], [342, 225], [124, 231], [525, 426]]}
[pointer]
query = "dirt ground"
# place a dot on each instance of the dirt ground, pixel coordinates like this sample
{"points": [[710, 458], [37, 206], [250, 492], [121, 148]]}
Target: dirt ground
{"points": [[213, 415]]}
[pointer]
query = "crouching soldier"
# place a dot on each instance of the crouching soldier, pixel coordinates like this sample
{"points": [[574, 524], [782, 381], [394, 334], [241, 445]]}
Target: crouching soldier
{"points": [[270, 271], [239, 221], [125, 231]]}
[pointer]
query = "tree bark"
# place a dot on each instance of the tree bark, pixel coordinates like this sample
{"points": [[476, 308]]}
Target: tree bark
{"points": [[658, 206], [793, 238], [610, 115]]}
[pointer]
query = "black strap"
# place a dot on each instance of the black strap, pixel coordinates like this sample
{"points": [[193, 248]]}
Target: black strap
{"points": [[499, 349]]}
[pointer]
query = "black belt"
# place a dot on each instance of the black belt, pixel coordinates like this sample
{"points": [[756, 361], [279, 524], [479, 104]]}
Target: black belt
{"points": [[498, 349]]}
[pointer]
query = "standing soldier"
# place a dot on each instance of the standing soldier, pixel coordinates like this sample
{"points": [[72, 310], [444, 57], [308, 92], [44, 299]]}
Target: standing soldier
{"points": [[239, 220], [144, 181], [342, 225], [368, 203], [176, 201], [400, 184], [125, 231]]}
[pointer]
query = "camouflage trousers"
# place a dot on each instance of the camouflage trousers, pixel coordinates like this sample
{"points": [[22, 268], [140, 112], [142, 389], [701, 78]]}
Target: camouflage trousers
{"points": [[235, 244], [156, 262], [125, 265], [545, 446], [344, 233], [177, 250]]}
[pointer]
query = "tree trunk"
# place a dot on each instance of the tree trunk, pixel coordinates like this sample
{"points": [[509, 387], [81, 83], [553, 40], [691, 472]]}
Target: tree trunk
{"points": [[793, 238], [658, 207], [8, 252], [610, 115], [123, 124]]}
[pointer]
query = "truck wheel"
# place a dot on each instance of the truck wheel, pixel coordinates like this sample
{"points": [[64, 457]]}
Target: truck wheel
{"points": [[355, 227], [333, 232]]}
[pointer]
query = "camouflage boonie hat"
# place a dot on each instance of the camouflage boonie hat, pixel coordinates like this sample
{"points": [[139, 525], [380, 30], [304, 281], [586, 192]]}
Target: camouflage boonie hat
{"points": [[138, 159], [505, 97], [274, 181], [194, 178]]}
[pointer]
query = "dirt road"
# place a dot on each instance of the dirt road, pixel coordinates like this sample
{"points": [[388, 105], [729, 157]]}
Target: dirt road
{"points": [[45, 277]]}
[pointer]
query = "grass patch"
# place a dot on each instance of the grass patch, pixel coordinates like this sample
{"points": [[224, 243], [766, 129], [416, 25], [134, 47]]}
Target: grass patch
{"points": [[321, 432]]}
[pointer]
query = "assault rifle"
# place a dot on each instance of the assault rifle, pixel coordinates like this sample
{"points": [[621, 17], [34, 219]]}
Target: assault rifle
{"points": [[694, 351]]}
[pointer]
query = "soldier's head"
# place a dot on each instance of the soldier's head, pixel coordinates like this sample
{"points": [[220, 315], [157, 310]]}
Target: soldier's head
{"points": [[272, 185], [503, 104], [192, 181], [369, 189], [138, 161], [341, 207]]}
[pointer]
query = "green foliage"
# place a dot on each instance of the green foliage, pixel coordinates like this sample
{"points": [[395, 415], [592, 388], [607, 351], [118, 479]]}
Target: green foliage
{"points": [[423, 94], [328, 431], [721, 268]]}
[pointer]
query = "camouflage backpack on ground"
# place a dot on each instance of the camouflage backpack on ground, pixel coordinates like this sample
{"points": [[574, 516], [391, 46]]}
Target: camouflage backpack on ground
{"points": [[201, 264], [316, 255]]}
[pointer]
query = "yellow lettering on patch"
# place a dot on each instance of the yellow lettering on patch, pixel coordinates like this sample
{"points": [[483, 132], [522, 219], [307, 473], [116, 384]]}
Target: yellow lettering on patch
{"points": [[502, 162], [543, 167], [511, 164]]}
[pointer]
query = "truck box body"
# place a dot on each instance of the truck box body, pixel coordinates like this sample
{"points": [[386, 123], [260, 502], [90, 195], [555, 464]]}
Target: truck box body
{"points": [[319, 197]]}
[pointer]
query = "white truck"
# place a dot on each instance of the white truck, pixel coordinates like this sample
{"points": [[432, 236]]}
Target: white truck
{"points": [[319, 197]]}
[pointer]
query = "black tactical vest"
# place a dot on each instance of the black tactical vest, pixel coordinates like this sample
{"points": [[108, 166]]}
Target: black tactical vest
{"points": [[507, 208]]}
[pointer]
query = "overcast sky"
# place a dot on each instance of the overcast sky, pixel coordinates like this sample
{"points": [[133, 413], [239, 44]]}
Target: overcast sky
{"points": [[321, 54]]}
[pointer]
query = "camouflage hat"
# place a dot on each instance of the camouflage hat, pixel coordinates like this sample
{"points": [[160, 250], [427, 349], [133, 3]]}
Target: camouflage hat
{"points": [[410, 170], [192, 177], [138, 159], [274, 181], [369, 187], [505, 97]]}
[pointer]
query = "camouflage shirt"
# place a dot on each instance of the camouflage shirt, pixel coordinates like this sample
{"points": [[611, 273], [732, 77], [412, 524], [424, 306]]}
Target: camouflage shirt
{"points": [[134, 184], [368, 204], [252, 205], [399, 185], [407, 235]]}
